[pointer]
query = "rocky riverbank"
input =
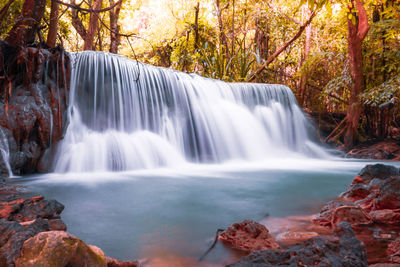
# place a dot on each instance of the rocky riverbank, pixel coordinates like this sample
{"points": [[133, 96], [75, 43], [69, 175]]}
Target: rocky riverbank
{"points": [[383, 150], [33, 234], [360, 227]]}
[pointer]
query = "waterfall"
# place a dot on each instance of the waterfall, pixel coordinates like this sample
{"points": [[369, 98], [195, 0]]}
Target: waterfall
{"points": [[125, 115], [5, 152]]}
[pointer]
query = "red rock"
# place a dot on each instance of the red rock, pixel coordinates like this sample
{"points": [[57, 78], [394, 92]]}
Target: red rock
{"points": [[342, 249], [377, 188], [57, 225], [59, 249], [354, 215], [27, 209], [387, 150], [384, 265], [248, 235], [358, 179], [291, 237], [393, 251], [386, 216], [111, 262], [329, 217], [13, 236], [37, 105]]}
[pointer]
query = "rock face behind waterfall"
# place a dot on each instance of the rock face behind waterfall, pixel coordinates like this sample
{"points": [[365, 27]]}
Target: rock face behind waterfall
{"points": [[33, 100]]}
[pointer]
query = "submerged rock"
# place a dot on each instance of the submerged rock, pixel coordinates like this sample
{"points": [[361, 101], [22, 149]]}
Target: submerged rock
{"points": [[343, 249], [59, 249], [248, 235]]}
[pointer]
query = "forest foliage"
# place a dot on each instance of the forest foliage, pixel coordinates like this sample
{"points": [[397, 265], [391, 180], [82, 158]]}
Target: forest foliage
{"points": [[240, 40]]}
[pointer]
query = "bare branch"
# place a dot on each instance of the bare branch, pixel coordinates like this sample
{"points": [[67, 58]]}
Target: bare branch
{"points": [[282, 48], [91, 10]]}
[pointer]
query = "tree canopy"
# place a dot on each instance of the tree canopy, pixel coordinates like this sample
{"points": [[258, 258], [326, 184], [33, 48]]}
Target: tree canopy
{"points": [[337, 56]]}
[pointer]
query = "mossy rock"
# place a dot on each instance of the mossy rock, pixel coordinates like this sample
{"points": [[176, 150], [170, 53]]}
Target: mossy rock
{"points": [[59, 249]]}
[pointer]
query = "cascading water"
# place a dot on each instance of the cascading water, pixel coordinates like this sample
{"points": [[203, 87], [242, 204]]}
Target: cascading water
{"points": [[5, 152], [125, 115]]}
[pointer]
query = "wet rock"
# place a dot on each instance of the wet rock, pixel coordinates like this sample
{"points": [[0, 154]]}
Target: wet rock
{"points": [[33, 108], [372, 206], [354, 215], [13, 236], [336, 211], [393, 251], [343, 249], [377, 187], [58, 249], [380, 171], [248, 235], [29, 209], [386, 216], [384, 265], [11, 192], [291, 237], [57, 225], [386, 150], [111, 262]]}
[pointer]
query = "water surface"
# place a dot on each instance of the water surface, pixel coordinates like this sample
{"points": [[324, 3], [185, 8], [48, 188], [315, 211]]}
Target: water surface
{"points": [[133, 215]]}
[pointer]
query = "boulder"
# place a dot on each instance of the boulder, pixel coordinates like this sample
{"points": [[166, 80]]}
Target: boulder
{"points": [[13, 236], [248, 235], [59, 249], [343, 249], [377, 190]]}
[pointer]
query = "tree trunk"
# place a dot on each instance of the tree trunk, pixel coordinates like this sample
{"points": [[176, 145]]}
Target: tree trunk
{"points": [[196, 26], [93, 27], [115, 37], [355, 36], [223, 40], [53, 26], [77, 23], [25, 29], [303, 78], [261, 40]]}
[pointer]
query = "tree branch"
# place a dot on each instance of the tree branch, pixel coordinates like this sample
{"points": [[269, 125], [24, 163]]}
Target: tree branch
{"points": [[3, 11], [282, 48], [91, 10], [77, 23]]}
